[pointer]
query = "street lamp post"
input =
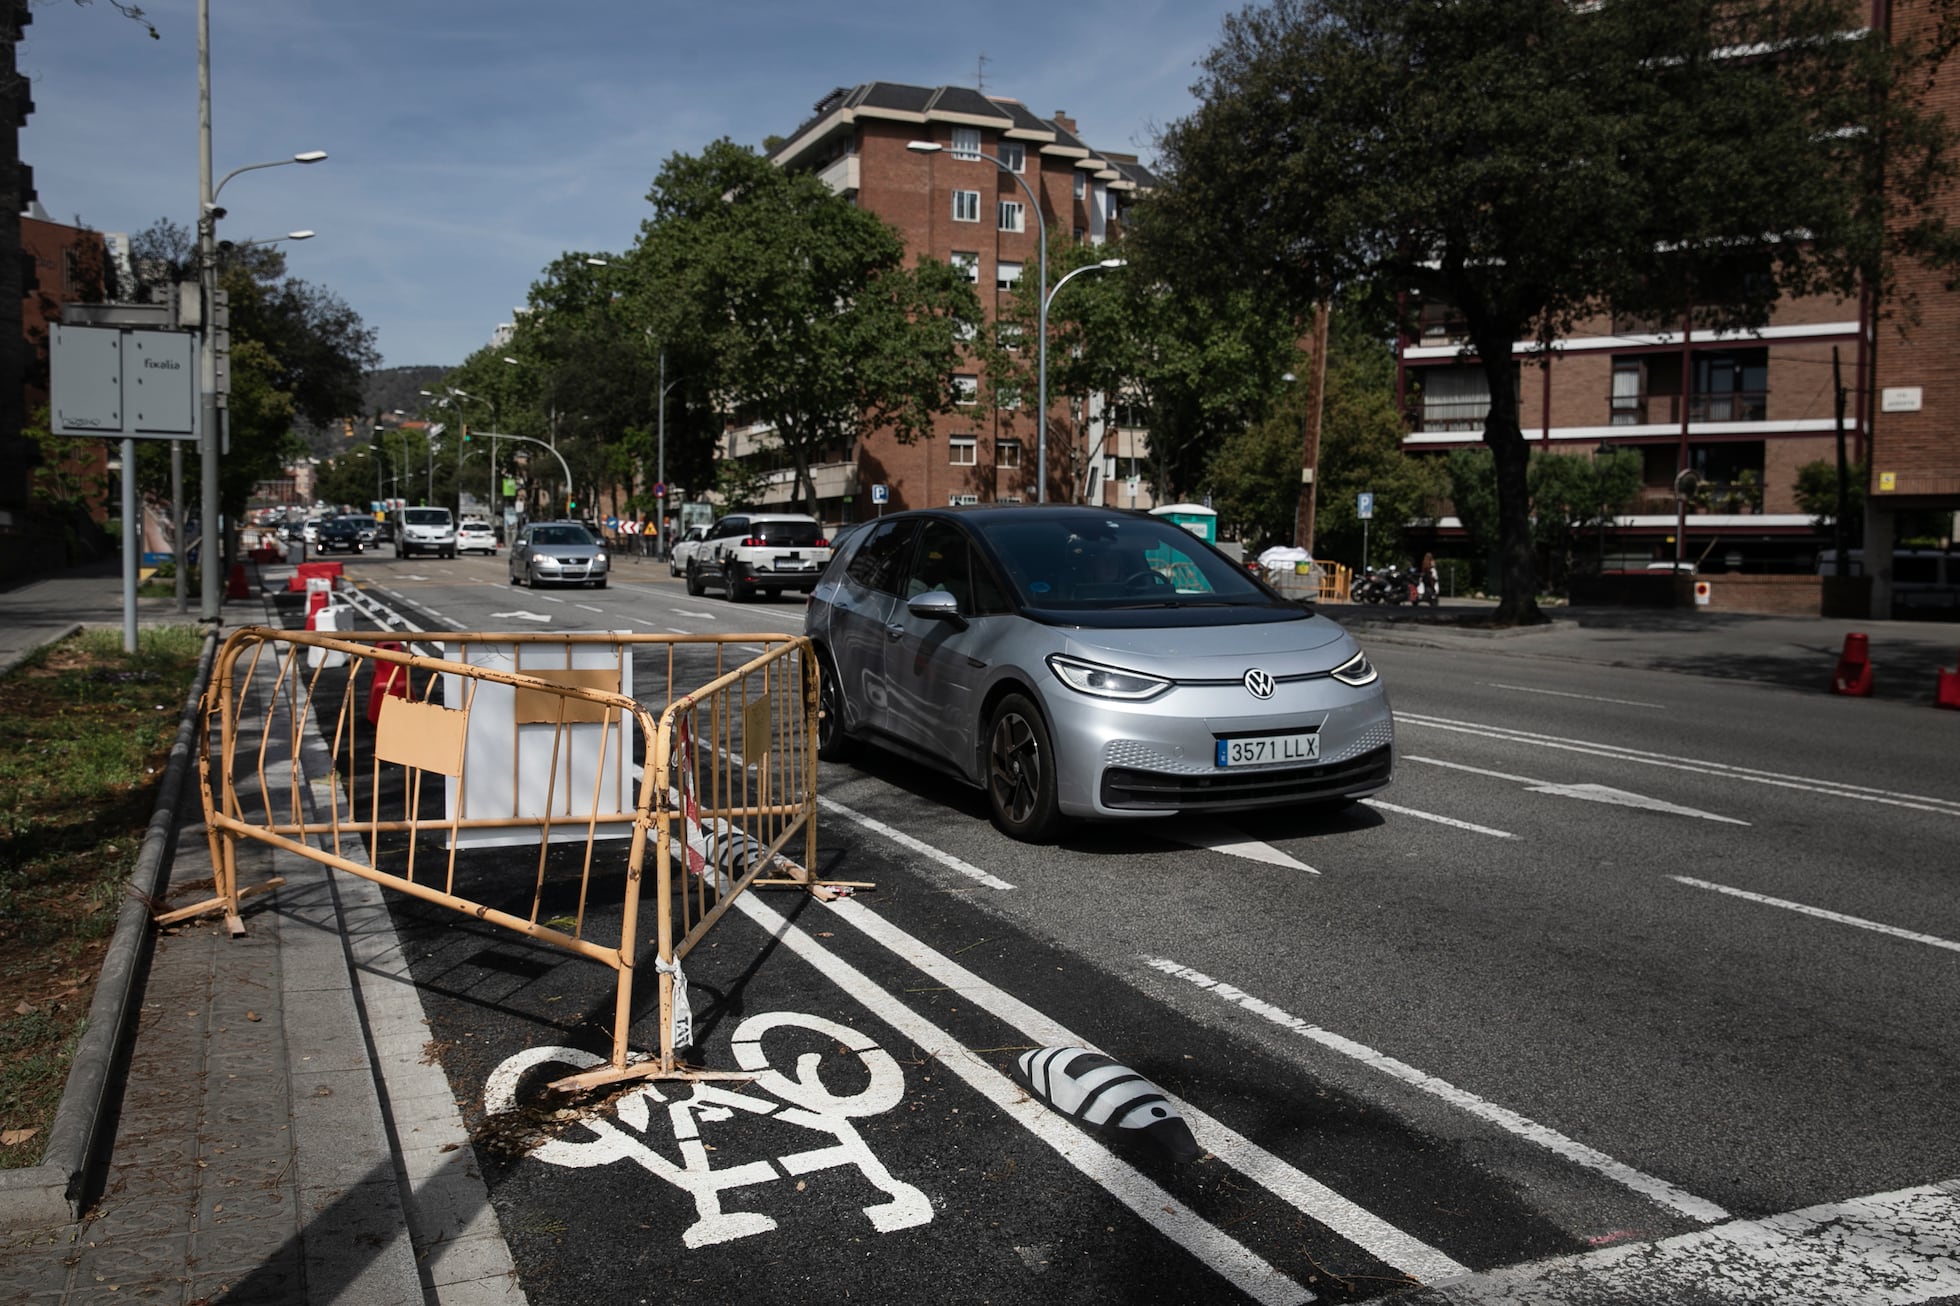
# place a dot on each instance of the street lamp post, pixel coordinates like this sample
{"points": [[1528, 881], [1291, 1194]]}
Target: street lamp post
{"points": [[212, 605], [1108, 264]]}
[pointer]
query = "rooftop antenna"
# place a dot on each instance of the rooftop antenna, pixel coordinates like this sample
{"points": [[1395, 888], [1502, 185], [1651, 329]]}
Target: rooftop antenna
{"points": [[980, 72]]}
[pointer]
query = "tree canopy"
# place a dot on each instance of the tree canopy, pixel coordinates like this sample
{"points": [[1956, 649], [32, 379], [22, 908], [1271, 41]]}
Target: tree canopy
{"points": [[795, 305], [1535, 162]]}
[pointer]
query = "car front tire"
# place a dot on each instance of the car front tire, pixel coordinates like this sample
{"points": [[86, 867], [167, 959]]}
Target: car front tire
{"points": [[694, 586], [1021, 773], [833, 745]]}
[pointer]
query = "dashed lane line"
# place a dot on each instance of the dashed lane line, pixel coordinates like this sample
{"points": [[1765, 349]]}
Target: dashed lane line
{"points": [[1654, 1189], [1931, 940], [1440, 820]]}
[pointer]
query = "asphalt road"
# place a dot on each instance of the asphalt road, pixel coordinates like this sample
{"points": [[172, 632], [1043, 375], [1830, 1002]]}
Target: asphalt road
{"points": [[1624, 961]]}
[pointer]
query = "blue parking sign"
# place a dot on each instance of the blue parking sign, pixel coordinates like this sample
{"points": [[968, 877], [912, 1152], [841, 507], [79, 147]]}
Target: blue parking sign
{"points": [[879, 494], [1364, 505]]}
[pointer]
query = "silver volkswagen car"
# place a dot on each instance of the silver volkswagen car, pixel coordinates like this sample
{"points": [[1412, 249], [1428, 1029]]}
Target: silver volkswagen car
{"points": [[1081, 662], [557, 553]]}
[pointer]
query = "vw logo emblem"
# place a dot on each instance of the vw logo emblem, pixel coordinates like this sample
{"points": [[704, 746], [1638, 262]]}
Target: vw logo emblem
{"points": [[1260, 684]]}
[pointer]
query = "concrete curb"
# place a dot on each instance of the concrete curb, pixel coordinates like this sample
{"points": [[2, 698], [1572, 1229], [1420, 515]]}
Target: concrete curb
{"points": [[55, 1190]]}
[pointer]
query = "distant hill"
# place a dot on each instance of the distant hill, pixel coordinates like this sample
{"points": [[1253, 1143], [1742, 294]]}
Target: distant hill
{"points": [[389, 388]]}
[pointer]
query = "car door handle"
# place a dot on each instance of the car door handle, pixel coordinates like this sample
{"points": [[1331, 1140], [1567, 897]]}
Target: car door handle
{"points": [[894, 632]]}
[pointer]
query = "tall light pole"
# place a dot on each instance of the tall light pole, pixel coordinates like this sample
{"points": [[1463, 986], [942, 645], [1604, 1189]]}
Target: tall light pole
{"points": [[1105, 265], [660, 469], [213, 594], [1041, 345]]}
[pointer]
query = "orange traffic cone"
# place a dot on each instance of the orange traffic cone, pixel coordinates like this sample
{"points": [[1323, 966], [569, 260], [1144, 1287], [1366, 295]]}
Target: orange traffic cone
{"points": [[1854, 668]]}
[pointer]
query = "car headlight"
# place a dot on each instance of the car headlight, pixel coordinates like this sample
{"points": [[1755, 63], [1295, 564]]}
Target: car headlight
{"points": [[1357, 670], [598, 559], [1105, 682]]}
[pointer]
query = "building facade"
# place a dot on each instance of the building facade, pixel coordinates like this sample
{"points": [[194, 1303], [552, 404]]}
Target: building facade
{"points": [[968, 204], [1743, 411]]}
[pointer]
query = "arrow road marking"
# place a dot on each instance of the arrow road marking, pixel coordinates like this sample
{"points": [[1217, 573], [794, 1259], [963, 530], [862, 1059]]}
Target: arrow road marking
{"points": [[524, 616], [1698, 766], [1586, 792], [1224, 839]]}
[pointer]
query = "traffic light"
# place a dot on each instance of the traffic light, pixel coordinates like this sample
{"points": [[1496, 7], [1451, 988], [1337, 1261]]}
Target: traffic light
{"points": [[466, 432], [346, 428]]}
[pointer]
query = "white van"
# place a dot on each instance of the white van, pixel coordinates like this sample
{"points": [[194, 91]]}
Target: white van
{"points": [[1922, 579], [424, 530]]}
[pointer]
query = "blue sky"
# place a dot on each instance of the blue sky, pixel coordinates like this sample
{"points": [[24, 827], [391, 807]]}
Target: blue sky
{"points": [[472, 141]]}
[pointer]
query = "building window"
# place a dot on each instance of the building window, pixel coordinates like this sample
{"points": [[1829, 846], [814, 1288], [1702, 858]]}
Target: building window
{"points": [[962, 500], [1081, 186], [1454, 398], [1629, 402], [964, 331], [967, 265], [1013, 217], [966, 142], [1008, 393], [1007, 455], [1007, 276], [1010, 337], [1014, 155], [1731, 386], [966, 206], [966, 388], [961, 450]]}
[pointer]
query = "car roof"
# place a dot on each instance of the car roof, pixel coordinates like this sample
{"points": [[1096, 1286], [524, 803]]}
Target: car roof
{"points": [[772, 516]]}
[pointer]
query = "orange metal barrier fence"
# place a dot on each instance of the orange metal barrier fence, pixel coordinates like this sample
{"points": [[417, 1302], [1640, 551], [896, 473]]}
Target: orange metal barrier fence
{"points": [[520, 739]]}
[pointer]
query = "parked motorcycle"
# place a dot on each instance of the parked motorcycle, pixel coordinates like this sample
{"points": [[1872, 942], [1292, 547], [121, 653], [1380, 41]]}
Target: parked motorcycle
{"points": [[1370, 588]]}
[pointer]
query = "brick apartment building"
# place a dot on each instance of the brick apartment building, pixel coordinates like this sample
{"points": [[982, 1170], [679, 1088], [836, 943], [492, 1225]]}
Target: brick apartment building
{"points": [[1756, 406], [957, 206]]}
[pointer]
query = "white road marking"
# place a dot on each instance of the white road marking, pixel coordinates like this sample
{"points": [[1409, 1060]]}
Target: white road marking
{"points": [[1656, 1190], [1440, 820], [1889, 1249], [1932, 940], [545, 597], [523, 616], [689, 612], [1224, 1255], [1590, 698], [588, 607], [676, 630], [904, 840], [1224, 839], [1590, 793], [1699, 766], [1306, 1194]]}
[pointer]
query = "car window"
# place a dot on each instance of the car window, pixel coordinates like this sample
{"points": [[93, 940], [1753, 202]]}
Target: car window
{"points": [[569, 534], [880, 563], [945, 560], [428, 516], [731, 526], [1089, 561], [787, 534]]}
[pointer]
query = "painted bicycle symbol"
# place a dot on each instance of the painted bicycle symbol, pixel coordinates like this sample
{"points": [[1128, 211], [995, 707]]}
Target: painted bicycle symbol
{"points": [[799, 1099]]}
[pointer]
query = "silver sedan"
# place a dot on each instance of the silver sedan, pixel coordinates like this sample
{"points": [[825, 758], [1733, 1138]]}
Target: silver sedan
{"points": [[1080, 662], [558, 553]]}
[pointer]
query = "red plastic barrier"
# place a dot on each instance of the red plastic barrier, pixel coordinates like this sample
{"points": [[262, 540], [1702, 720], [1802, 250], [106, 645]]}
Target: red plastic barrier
{"points": [[1947, 691], [235, 586], [388, 679], [1854, 668]]}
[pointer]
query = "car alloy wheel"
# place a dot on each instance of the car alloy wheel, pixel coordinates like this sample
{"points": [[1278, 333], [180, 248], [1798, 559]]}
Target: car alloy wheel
{"points": [[833, 745], [1021, 772], [694, 585]]}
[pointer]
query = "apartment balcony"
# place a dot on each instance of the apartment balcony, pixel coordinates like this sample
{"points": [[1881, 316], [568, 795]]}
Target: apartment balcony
{"points": [[1665, 410], [841, 175]]}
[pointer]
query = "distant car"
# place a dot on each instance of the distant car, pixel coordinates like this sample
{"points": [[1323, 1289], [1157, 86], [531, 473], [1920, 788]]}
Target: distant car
{"points": [[475, 537], [310, 529], [370, 528], [766, 552], [1091, 663], [426, 530], [558, 553], [339, 535]]}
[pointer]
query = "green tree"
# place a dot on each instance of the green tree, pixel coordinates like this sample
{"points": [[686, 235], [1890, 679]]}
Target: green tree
{"points": [[1536, 162], [1571, 496], [795, 304]]}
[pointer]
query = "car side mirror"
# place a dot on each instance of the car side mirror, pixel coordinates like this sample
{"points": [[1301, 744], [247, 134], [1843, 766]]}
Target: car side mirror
{"points": [[936, 605]]}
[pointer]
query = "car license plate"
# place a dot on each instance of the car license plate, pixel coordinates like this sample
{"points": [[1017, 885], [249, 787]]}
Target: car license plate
{"points": [[1261, 750]]}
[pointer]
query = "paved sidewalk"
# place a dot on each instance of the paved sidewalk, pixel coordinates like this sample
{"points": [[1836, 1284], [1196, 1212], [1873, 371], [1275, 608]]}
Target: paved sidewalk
{"points": [[280, 1138]]}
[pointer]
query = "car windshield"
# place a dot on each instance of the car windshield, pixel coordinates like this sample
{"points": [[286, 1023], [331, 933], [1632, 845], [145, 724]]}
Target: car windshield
{"points": [[355, 522], [427, 517], [560, 535], [786, 534], [1091, 561]]}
